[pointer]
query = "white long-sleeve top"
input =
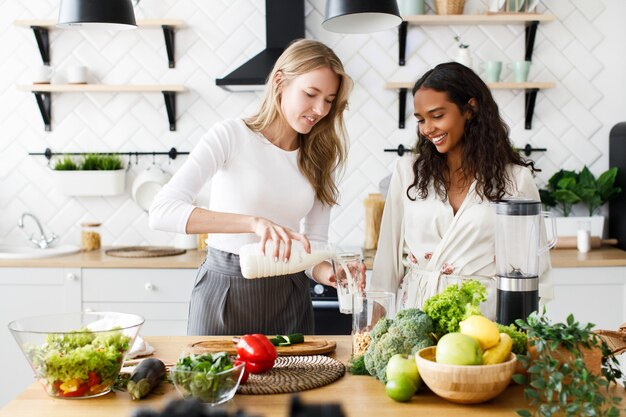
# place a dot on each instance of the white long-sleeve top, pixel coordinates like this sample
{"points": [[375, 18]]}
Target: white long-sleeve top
{"points": [[250, 176], [445, 247]]}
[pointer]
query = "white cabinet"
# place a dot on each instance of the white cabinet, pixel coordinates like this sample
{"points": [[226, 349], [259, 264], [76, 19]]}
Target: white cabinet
{"points": [[161, 296], [28, 292], [592, 295]]}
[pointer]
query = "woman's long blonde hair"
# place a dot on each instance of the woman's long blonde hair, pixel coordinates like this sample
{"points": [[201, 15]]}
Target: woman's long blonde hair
{"points": [[324, 148]]}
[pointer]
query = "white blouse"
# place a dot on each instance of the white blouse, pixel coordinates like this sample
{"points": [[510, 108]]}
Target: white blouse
{"points": [[250, 176], [423, 246]]}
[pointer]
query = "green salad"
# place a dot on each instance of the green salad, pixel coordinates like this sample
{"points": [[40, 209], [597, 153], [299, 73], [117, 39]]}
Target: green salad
{"points": [[80, 363], [202, 377]]}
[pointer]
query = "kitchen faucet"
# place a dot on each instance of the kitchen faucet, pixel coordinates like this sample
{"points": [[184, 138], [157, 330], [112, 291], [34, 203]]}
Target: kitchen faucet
{"points": [[43, 241]]}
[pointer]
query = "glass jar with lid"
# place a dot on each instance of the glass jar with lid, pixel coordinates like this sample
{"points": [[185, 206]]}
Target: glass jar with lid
{"points": [[90, 236]]}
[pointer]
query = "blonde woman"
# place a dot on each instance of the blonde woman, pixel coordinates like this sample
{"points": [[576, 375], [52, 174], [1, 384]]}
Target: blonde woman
{"points": [[269, 173]]}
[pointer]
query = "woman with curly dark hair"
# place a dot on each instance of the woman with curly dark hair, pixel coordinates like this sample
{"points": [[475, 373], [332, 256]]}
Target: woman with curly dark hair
{"points": [[438, 225]]}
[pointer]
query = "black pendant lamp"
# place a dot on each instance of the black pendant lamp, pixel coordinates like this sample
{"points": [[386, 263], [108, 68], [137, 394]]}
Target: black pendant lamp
{"points": [[97, 14], [361, 16]]}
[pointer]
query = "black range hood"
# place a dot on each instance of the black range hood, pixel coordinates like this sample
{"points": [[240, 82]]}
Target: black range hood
{"points": [[284, 22]]}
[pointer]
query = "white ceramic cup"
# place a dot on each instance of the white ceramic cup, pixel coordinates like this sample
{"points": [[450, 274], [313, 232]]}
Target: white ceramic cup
{"points": [[42, 74], [147, 185], [76, 75]]}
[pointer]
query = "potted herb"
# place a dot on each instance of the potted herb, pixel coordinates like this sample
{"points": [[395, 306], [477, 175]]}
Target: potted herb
{"points": [[561, 379], [94, 175], [568, 188]]}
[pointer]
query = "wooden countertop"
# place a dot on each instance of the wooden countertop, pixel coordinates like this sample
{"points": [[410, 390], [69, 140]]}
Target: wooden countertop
{"points": [[98, 259], [360, 396], [561, 258]]}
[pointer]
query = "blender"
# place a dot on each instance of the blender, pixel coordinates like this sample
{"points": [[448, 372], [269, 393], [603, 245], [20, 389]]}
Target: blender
{"points": [[518, 236]]}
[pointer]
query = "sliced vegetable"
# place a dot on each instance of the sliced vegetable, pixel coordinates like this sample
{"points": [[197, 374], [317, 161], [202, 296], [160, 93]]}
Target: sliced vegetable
{"points": [[287, 340], [145, 377], [257, 352]]}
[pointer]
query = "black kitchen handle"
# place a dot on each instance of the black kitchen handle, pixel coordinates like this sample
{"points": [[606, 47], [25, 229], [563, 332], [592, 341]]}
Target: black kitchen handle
{"points": [[400, 150], [528, 149]]}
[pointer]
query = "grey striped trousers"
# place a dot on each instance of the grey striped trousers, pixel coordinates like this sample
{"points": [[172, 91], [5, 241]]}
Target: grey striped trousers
{"points": [[223, 302]]}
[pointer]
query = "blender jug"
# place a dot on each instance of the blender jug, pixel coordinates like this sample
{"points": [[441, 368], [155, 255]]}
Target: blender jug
{"points": [[518, 236]]}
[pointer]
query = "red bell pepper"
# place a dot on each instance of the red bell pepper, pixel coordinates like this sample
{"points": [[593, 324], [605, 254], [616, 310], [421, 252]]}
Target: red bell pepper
{"points": [[257, 352]]}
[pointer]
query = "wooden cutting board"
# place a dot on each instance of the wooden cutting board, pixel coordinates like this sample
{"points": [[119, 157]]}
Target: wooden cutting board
{"points": [[144, 251], [309, 347]]}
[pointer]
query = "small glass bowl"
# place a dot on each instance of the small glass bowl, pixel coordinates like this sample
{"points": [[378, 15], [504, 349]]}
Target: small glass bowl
{"points": [[210, 388]]}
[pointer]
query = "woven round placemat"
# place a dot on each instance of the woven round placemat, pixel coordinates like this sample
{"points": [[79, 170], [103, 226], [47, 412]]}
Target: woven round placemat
{"points": [[143, 251], [294, 374]]}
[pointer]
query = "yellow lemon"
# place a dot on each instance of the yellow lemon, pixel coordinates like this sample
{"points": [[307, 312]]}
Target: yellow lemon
{"points": [[483, 329]]}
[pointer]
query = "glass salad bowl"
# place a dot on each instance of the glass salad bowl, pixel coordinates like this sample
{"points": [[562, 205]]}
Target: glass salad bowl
{"points": [[76, 355], [209, 378]]}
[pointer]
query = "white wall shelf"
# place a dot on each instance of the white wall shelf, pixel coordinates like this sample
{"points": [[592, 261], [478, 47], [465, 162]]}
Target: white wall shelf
{"points": [[42, 27], [530, 92], [531, 20], [43, 95]]}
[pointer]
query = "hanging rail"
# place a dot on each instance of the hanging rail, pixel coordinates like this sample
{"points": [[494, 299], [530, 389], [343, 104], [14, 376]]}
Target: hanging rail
{"points": [[172, 153], [527, 150]]}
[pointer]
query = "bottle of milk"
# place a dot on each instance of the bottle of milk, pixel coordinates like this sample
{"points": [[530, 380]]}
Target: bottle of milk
{"points": [[256, 265]]}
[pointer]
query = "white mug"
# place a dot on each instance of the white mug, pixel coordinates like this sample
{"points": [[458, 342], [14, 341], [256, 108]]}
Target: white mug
{"points": [[42, 74], [76, 75]]}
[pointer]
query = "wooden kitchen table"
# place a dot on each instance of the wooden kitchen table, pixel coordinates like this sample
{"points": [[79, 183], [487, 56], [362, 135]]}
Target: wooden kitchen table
{"points": [[359, 396]]}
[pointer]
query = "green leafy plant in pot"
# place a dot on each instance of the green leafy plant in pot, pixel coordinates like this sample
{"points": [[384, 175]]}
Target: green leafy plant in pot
{"points": [[566, 188], [91, 162], [93, 175], [559, 380]]}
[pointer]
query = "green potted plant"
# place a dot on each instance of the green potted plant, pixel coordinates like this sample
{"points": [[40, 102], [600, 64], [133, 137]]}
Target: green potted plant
{"points": [[94, 175], [569, 370], [566, 189]]}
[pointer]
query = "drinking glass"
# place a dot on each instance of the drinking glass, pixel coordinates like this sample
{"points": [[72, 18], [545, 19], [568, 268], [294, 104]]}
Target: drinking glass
{"points": [[349, 273], [369, 307]]}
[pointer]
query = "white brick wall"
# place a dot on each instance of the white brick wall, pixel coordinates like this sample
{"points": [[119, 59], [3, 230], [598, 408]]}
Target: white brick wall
{"points": [[582, 51]]}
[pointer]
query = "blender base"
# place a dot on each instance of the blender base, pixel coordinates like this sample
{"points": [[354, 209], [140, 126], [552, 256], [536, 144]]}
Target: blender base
{"points": [[513, 305]]}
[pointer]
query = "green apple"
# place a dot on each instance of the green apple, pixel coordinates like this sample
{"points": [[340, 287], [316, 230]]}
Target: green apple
{"points": [[400, 364], [459, 349], [400, 389]]}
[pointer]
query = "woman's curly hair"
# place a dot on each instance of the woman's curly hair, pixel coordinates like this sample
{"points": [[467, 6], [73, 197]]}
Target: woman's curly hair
{"points": [[487, 149]]}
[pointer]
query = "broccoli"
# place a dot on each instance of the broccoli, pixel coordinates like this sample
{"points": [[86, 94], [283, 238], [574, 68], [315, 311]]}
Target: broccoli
{"points": [[454, 304], [410, 331]]}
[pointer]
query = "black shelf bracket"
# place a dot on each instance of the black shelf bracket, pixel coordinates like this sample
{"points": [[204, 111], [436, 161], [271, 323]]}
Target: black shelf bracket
{"points": [[401, 107], [43, 42], [402, 29], [168, 34], [530, 98], [44, 102], [531, 32], [170, 105]]}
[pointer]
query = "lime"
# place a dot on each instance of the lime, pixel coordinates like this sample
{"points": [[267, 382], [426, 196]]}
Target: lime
{"points": [[400, 389]]}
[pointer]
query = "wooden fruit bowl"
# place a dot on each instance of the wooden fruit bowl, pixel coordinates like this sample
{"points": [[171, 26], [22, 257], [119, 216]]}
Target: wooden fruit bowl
{"points": [[464, 384]]}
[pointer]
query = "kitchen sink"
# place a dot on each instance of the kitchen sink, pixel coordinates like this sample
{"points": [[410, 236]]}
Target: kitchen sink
{"points": [[30, 252]]}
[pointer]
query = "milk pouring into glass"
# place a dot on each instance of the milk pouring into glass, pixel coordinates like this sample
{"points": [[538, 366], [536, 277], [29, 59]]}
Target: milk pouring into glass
{"points": [[346, 266]]}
